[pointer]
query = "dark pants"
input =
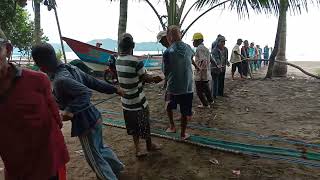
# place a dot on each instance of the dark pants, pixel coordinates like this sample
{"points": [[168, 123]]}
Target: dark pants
{"points": [[203, 91], [245, 68], [218, 85], [235, 66]]}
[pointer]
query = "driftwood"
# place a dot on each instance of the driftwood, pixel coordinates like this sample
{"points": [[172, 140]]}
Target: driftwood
{"points": [[298, 67], [293, 65]]}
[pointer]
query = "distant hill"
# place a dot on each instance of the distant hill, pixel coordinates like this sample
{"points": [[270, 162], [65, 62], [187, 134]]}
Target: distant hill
{"points": [[111, 44]]}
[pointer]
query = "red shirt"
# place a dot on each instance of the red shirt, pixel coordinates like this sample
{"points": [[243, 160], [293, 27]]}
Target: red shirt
{"points": [[32, 146]]}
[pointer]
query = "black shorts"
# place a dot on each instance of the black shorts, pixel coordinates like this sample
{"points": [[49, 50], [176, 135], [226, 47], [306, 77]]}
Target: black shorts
{"points": [[184, 100], [137, 122], [235, 66]]}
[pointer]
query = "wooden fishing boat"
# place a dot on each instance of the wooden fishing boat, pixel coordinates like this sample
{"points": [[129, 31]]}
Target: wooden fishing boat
{"points": [[97, 58]]}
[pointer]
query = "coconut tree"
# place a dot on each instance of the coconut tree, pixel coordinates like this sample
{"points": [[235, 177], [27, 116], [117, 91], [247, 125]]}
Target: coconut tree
{"points": [[37, 21], [122, 27], [278, 7]]}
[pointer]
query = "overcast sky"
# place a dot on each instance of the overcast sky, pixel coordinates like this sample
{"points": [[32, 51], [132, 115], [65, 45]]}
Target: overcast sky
{"points": [[98, 19]]}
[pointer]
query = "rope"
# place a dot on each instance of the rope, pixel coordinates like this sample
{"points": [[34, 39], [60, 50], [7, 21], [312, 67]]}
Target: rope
{"points": [[99, 102]]}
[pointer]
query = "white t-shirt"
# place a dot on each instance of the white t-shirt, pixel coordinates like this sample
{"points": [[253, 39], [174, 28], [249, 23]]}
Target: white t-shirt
{"points": [[234, 57]]}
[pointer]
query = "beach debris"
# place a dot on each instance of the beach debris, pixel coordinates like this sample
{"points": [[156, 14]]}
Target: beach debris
{"points": [[247, 109], [214, 161], [80, 152], [236, 172]]}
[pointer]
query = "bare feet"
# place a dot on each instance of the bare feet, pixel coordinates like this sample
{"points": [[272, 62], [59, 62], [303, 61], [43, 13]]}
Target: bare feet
{"points": [[185, 137], [171, 130], [140, 154], [155, 147]]}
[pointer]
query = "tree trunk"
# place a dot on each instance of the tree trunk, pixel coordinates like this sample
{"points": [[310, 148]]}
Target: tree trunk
{"points": [[280, 69], [277, 41], [37, 22], [1, 32], [122, 18]]}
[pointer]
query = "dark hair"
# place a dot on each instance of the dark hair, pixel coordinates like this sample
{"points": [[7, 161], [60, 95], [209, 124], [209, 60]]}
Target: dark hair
{"points": [[44, 55], [126, 44]]}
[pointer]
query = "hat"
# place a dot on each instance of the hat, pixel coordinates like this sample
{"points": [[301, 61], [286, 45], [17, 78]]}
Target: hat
{"points": [[197, 36], [222, 38], [160, 35]]}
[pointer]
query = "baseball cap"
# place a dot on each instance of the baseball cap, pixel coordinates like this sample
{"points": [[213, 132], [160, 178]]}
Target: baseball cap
{"points": [[160, 35]]}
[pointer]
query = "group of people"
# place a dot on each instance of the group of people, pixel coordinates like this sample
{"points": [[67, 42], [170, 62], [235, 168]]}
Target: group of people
{"points": [[248, 58], [31, 141]]}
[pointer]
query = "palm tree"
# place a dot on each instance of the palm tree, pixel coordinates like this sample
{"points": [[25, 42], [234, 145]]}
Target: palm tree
{"points": [[280, 69], [278, 7], [37, 21], [122, 18]]}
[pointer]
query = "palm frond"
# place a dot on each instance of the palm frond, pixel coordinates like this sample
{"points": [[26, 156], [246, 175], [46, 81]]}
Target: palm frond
{"points": [[262, 6]]}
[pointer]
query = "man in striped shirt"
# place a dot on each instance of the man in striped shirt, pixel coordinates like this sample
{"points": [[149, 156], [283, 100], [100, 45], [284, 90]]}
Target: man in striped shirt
{"points": [[131, 75]]}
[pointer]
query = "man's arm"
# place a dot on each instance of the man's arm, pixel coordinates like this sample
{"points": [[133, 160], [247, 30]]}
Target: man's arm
{"points": [[80, 94], [141, 71], [52, 105], [97, 84]]}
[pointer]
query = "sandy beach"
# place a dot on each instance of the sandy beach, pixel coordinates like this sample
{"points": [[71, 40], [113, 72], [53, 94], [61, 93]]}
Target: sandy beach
{"points": [[287, 107]]}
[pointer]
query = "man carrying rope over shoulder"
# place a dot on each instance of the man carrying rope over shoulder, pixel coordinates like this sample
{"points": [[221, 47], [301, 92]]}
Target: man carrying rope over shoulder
{"points": [[32, 146], [72, 89]]}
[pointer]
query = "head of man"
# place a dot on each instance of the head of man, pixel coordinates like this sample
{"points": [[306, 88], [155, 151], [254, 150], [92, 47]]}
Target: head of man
{"points": [[162, 38], [126, 44], [173, 34], [44, 56], [98, 44], [258, 46], [252, 44], [239, 42], [221, 42], [197, 39], [246, 43], [5, 52]]}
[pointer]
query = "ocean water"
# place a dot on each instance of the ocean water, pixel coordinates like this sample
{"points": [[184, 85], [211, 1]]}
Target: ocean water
{"points": [[290, 56]]}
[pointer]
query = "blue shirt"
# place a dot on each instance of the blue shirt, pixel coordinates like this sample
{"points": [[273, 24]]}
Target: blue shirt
{"points": [[178, 68], [72, 89], [266, 53]]}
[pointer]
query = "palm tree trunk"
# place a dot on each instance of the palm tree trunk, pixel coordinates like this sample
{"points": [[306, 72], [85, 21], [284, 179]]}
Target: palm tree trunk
{"points": [[1, 32], [277, 39], [122, 18], [37, 22], [280, 69]]}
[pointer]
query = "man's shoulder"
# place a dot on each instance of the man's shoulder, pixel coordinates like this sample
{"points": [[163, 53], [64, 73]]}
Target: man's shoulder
{"points": [[33, 75]]}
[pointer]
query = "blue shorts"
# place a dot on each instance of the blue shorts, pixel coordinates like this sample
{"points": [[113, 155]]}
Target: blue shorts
{"points": [[184, 100]]}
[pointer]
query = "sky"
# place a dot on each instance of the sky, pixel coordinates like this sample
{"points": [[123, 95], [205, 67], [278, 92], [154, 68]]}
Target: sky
{"points": [[98, 19]]}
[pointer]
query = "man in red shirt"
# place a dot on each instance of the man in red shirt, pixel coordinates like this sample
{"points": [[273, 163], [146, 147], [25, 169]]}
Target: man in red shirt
{"points": [[32, 146]]}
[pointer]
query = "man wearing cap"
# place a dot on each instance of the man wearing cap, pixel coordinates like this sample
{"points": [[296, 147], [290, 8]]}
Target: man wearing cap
{"points": [[72, 90], [32, 146], [220, 55], [169, 100], [235, 59], [202, 76]]}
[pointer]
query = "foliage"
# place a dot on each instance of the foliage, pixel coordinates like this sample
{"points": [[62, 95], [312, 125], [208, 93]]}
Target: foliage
{"points": [[15, 23], [59, 54]]}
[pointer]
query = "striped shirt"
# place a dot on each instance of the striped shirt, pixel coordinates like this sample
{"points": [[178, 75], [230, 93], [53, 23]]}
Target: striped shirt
{"points": [[130, 71]]}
